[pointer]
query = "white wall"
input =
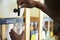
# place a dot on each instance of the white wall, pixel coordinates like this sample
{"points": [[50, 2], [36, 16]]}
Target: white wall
{"points": [[6, 8]]}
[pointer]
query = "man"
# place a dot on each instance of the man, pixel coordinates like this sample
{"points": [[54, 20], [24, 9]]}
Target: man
{"points": [[51, 8]]}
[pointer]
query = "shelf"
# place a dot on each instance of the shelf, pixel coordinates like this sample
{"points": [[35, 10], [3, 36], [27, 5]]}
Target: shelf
{"points": [[10, 20], [34, 19]]}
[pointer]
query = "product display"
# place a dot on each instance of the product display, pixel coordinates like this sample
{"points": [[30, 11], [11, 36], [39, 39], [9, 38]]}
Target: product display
{"points": [[34, 31], [6, 24]]}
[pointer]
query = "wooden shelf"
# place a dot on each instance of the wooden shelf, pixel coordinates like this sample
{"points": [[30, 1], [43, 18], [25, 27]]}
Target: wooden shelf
{"points": [[34, 19]]}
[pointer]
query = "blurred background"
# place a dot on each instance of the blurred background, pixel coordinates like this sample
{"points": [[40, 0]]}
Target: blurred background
{"points": [[36, 24]]}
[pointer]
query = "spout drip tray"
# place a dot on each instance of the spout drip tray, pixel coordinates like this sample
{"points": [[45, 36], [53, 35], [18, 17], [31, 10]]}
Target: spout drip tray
{"points": [[11, 20]]}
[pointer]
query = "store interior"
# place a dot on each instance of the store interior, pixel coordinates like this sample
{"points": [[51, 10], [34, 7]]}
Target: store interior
{"points": [[36, 25]]}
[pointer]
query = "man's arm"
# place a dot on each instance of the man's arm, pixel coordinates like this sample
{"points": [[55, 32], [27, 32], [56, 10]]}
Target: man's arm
{"points": [[42, 7], [32, 3]]}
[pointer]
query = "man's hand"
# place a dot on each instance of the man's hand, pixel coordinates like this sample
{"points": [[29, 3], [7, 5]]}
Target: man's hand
{"points": [[14, 36], [26, 3]]}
